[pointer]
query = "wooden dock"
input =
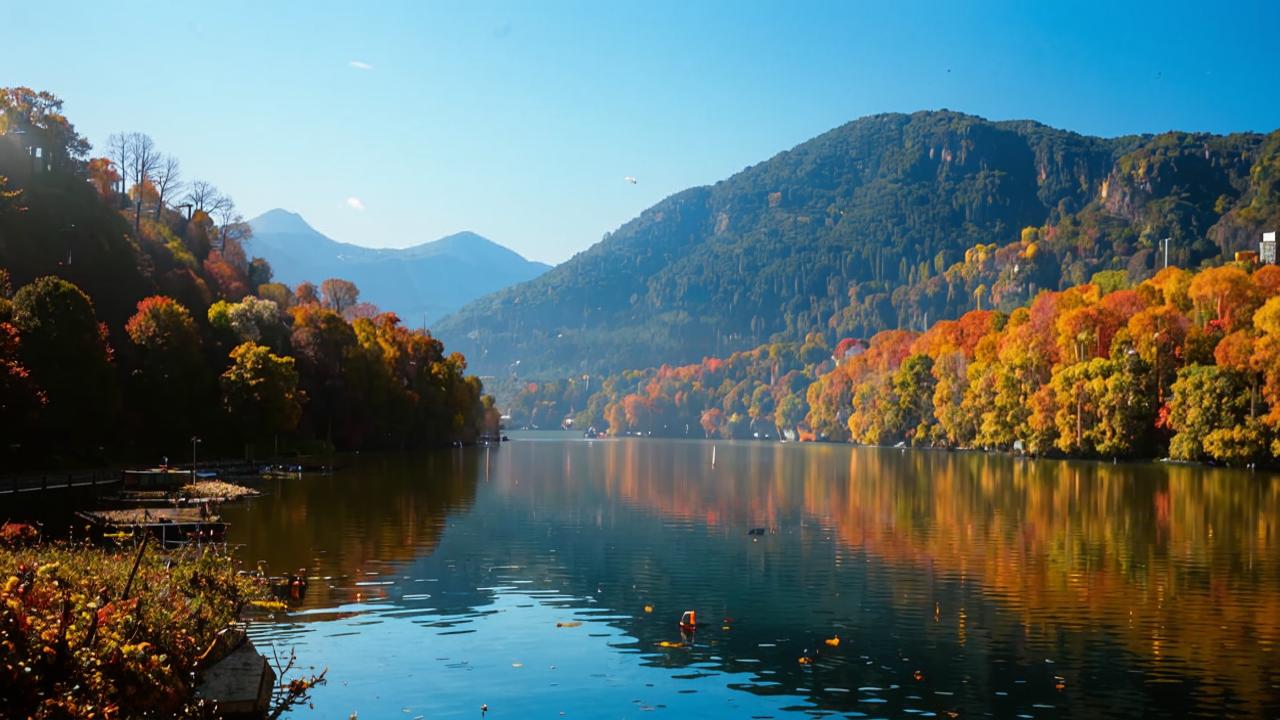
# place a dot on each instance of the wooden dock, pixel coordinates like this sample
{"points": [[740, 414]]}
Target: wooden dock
{"points": [[58, 481], [170, 525]]}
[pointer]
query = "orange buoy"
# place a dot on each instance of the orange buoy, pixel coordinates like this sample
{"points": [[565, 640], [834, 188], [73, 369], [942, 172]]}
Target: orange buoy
{"points": [[689, 620]]}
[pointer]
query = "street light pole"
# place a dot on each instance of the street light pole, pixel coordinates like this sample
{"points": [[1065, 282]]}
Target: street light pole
{"points": [[194, 441]]}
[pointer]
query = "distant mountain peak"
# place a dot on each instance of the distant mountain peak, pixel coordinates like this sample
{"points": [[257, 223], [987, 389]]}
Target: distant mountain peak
{"points": [[281, 221], [432, 278], [465, 239]]}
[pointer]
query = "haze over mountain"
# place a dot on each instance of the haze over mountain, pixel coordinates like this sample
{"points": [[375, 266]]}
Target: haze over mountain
{"points": [[419, 283], [888, 221]]}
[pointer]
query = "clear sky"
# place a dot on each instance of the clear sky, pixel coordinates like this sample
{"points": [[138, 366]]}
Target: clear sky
{"points": [[390, 124]]}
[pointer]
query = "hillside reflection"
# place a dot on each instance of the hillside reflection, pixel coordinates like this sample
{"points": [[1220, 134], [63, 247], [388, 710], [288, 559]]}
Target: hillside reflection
{"points": [[354, 525], [1006, 584], [1177, 564]]}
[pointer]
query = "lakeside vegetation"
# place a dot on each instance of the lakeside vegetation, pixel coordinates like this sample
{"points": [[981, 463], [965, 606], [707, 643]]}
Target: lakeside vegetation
{"points": [[83, 634], [131, 320], [1182, 364]]}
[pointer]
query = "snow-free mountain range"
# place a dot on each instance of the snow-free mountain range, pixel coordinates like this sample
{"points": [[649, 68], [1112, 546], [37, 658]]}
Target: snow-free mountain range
{"points": [[420, 283]]}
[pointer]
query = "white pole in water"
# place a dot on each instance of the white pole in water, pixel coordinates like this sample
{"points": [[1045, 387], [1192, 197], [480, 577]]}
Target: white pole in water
{"points": [[713, 456]]}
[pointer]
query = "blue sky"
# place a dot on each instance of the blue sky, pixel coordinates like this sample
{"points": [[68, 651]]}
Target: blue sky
{"points": [[390, 124]]}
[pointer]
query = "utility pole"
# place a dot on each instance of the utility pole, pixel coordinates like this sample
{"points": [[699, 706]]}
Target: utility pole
{"points": [[1166, 252]]}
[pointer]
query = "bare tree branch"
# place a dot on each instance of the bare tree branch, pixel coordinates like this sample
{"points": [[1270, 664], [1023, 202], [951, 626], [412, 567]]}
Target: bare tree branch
{"points": [[120, 152], [202, 195], [145, 159], [168, 181], [290, 692]]}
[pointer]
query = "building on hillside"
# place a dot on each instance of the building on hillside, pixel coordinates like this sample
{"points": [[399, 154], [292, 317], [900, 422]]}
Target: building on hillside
{"points": [[1267, 248], [25, 142]]}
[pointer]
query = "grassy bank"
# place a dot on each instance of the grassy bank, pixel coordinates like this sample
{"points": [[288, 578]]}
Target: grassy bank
{"points": [[82, 635]]}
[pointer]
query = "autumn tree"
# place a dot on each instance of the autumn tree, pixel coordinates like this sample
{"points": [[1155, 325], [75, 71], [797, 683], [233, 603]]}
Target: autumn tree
{"points": [[66, 350], [339, 295], [956, 426], [322, 342], [39, 114], [171, 378], [306, 294], [103, 176], [1205, 400], [260, 393], [1224, 297], [259, 272], [21, 401], [278, 293], [789, 413], [252, 319], [1078, 391], [911, 417], [1159, 336]]}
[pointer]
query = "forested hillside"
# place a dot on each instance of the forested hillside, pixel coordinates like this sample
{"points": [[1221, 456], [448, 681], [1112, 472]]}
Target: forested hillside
{"points": [[889, 221], [132, 323], [1185, 364]]}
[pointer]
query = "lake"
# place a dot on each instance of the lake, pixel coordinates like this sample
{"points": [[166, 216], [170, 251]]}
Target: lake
{"points": [[546, 578]]}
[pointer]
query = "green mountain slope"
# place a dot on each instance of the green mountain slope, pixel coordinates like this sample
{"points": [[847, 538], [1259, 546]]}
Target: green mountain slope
{"points": [[888, 221]]}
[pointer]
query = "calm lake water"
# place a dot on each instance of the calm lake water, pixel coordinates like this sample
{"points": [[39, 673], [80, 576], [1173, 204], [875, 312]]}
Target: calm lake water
{"points": [[957, 583]]}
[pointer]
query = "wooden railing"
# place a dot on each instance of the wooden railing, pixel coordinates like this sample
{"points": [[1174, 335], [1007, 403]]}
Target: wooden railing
{"points": [[58, 481]]}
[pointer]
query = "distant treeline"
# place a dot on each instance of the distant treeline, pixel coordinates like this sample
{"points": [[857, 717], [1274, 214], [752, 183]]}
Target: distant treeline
{"points": [[1183, 364], [131, 320]]}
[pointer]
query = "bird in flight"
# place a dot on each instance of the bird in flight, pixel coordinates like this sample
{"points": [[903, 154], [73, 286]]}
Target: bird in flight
{"points": [[630, 179]]}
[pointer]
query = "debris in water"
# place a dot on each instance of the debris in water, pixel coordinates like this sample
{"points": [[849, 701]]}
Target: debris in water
{"points": [[833, 641], [570, 624]]}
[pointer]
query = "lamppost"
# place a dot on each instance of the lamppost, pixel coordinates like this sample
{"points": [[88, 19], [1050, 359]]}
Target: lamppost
{"points": [[195, 440]]}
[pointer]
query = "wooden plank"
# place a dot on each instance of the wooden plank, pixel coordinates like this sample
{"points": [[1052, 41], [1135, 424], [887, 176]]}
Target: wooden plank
{"points": [[240, 683]]}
